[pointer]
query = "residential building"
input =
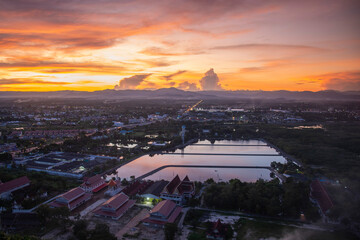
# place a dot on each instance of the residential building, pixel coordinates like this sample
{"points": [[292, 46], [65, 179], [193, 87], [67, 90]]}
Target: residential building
{"points": [[8, 187], [115, 207], [71, 199], [164, 212], [218, 231]]}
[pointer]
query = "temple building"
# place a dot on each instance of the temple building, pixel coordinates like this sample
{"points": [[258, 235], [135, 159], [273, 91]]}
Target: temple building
{"points": [[164, 212], [178, 191], [93, 184], [71, 199], [115, 207]]}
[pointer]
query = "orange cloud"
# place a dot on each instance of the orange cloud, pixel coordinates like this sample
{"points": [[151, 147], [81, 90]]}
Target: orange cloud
{"points": [[341, 81], [21, 81]]}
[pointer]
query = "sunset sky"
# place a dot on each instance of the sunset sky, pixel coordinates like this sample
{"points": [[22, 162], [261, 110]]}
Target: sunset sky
{"points": [[89, 45]]}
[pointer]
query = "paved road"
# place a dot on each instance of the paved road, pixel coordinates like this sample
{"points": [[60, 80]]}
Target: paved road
{"points": [[133, 222], [84, 212], [181, 221]]}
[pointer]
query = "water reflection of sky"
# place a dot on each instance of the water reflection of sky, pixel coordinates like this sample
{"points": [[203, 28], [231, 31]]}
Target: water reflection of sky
{"points": [[146, 163], [218, 174]]}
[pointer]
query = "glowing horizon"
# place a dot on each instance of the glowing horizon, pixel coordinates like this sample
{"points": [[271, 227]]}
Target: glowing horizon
{"points": [[250, 45]]}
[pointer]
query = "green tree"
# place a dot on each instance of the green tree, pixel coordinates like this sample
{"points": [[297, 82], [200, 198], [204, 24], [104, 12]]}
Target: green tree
{"points": [[170, 230]]}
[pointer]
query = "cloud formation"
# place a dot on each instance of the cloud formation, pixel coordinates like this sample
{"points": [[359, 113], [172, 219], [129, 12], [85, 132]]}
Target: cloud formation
{"points": [[170, 76], [188, 86], [22, 81], [342, 81], [110, 38], [271, 47], [210, 81], [131, 82]]}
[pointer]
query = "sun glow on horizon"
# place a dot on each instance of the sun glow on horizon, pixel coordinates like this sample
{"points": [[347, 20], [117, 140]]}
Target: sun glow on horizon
{"points": [[267, 45]]}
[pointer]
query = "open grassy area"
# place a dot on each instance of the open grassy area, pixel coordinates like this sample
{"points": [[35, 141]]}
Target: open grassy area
{"points": [[248, 229]]}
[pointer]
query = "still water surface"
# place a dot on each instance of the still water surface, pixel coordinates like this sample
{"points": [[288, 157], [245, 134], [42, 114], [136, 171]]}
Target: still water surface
{"points": [[146, 163]]}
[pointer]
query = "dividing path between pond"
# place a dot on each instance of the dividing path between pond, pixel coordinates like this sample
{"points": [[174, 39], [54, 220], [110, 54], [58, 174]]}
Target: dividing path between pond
{"points": [[280, 176], [227, 154]]}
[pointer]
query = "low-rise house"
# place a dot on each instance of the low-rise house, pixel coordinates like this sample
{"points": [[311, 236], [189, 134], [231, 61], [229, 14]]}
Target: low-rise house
{"points": [[218, 230], [154, 190], [322, 198], [136, 187], [93, 184], [164, 212], [115, 207], [71, 199], [8, 187], [178, 191]]}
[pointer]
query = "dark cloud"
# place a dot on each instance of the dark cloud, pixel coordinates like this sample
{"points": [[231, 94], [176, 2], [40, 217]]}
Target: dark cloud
{"points": [[210, 81], [131, 82], [170, 76]]}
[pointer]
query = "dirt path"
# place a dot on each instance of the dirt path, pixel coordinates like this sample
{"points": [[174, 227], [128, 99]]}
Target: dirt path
{"points": [[84, 212], [133, 222]]}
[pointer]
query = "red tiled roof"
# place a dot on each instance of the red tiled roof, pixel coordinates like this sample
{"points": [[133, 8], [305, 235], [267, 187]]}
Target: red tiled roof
{"points": [[73, 193], [13, 184], [164, 208], [136, 187], [321, 196], [121, 210], [170, 219], [116, 201], [99, 187], [73, 203], [218, 225], [186, 179], [92, 180], [84, 197], [170, 188]]}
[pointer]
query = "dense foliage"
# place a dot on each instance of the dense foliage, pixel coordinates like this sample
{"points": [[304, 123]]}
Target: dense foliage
{"points": [[81, 232], [265, 198]]}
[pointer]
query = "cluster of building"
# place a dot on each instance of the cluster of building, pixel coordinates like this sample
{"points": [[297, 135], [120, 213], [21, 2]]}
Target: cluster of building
{"points": [[64, 163], [49, 133], [173, 194]]}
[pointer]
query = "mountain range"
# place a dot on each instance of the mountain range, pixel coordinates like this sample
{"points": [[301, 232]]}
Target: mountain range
{"points": [[174, 93]]}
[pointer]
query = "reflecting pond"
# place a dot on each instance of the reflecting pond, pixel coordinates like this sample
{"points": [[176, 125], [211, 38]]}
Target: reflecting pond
{"points": [[145, 164]]}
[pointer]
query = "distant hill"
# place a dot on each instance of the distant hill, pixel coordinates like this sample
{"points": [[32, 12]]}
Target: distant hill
{"points": [[174, 93]]}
